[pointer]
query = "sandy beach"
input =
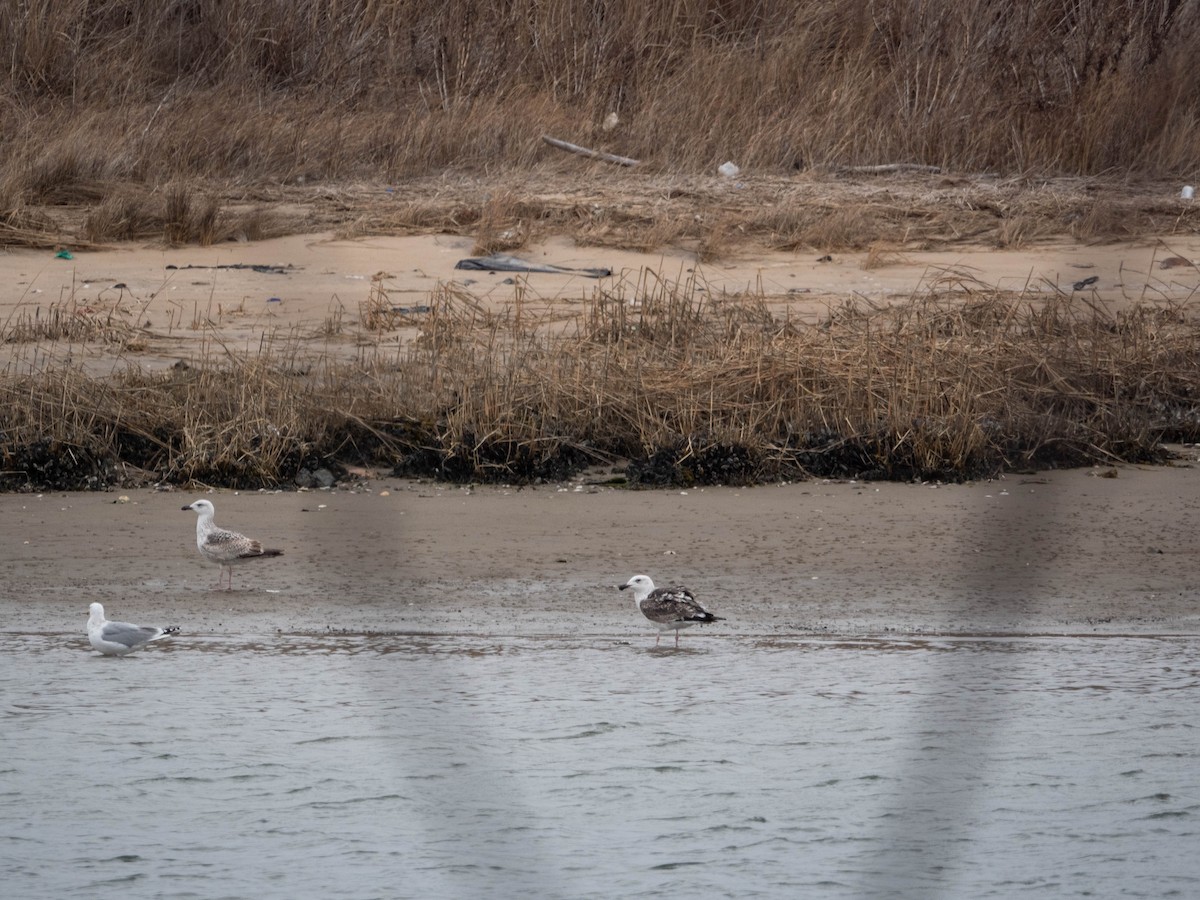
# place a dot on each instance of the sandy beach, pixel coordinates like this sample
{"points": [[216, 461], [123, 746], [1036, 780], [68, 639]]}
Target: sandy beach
{"points": [[1089, 550], [311, 289]]}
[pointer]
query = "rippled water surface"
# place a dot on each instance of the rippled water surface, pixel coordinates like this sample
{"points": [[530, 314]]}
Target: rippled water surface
{"points": [[410, 766]]}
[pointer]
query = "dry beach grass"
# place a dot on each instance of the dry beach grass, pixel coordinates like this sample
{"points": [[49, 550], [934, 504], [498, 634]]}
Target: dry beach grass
{"points": [[677, 385], [106, 92]]}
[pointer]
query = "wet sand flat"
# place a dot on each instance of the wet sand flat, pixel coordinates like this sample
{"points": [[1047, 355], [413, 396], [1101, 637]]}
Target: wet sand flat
{"points": [[1056, 552]]}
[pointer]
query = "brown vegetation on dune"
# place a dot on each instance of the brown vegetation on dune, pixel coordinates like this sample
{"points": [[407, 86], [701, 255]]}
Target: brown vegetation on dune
{"points": [[101, 95]]}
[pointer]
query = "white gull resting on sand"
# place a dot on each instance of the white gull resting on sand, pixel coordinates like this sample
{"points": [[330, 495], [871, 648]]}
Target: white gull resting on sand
{"points": [[225, 548], [669, 607], [119, 638]]}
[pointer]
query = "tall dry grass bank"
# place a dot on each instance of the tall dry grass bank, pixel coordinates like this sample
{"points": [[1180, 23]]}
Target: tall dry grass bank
{"points": [[653, 379], [95, 93]]}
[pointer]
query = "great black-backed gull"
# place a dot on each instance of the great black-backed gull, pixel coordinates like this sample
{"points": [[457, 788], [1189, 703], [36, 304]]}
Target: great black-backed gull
{"points": [[120, 638], [226, 548], [669, 607]]}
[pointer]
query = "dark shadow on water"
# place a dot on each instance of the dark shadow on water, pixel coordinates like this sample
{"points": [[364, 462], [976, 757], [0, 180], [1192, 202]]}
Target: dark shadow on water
{"points": [[927, 831], [673, 651]]}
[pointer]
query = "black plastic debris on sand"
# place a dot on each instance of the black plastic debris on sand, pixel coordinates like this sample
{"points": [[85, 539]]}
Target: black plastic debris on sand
{"points": [[261, 268], [502, 262]]}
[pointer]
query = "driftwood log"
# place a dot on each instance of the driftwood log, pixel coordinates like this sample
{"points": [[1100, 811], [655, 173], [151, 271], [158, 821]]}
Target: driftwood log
{"points": [[591, 154], [890, 169]]}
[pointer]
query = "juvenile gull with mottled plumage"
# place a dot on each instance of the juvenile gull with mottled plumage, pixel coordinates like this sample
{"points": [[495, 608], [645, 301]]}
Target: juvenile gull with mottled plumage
{"points": [[669, 607], [120, 638], [225, 548]]}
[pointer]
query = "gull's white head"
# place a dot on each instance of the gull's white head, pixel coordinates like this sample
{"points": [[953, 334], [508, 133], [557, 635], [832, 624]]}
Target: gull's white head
{"points": [[642, 586], [203, 507], [95, 614]]}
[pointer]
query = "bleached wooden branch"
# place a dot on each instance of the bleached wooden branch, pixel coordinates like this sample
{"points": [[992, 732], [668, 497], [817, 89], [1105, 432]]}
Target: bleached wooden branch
{"points": [[890, 168], [592, 154]]}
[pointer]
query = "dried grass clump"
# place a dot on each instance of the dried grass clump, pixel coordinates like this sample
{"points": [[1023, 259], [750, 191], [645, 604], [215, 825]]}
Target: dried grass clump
{"points": [[675, 384], [176, 216], [22, 226], [123, 215], [450, 310], [70, 322], [225, 420], [502, 227], [61, 324]]}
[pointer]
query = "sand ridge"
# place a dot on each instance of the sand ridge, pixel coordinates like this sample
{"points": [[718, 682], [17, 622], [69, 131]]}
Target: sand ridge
{"points": [[313, 287]]}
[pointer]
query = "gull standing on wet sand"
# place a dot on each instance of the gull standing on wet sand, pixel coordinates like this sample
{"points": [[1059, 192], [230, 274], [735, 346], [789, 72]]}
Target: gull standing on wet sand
{"points": [[225, 548], [120, 638], [669, 607]]}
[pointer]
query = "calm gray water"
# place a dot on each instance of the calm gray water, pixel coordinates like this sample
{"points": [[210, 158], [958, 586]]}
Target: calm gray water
{"points": [[407, 766]]}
